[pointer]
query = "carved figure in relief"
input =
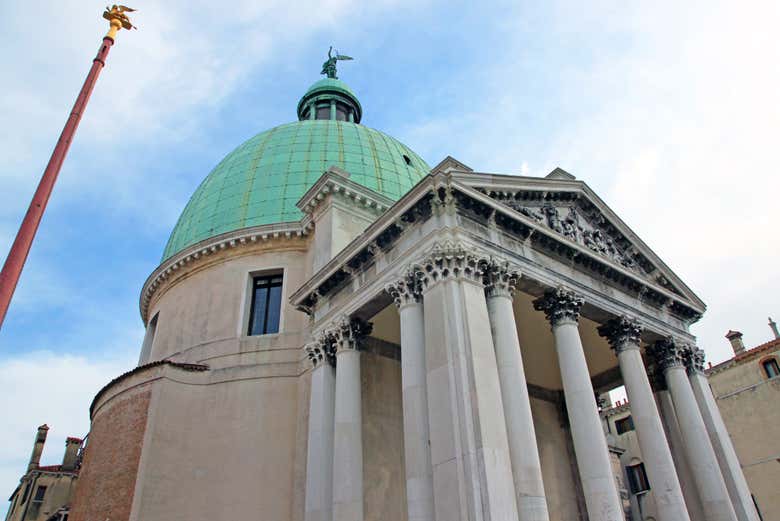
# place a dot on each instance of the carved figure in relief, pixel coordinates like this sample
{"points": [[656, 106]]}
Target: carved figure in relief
{"points": [[571, 225], [553, 220], [538, 217]]}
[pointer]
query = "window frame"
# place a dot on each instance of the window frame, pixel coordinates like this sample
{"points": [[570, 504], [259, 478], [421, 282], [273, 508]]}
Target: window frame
{"points": [[632, 471], [627, 420], [247, 302], [42, 489], [770, 360]]}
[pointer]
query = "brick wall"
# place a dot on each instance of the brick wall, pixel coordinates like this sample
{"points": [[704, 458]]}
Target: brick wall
{"points": [[108, 476]]}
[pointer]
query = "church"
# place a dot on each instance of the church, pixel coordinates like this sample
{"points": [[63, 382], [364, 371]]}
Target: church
{"points": [[338, 331]]}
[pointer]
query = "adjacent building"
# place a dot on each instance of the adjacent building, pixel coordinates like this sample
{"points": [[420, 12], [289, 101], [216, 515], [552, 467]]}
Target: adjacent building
{"points": [[45, 492], [747, 391]]}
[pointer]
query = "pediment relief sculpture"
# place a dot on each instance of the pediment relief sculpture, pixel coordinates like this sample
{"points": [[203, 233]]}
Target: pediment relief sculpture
{"points": [[580, 221]]}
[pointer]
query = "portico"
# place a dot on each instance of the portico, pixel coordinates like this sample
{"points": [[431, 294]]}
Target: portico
{"points": [[511, 303]]}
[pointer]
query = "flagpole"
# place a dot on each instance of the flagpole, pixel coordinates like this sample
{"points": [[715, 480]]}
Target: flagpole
{"points": [[14, 263]]}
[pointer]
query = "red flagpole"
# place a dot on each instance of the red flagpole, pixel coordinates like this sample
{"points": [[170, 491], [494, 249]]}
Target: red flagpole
{"points": [[12, 269]]}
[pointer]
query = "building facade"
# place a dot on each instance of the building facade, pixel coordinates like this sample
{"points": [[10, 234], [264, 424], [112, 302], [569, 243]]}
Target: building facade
{"points": [[338, 331], [747, 391], [45, 492]]}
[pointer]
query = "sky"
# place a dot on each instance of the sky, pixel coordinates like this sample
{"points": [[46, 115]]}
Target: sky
{"points": [[668, 110]]}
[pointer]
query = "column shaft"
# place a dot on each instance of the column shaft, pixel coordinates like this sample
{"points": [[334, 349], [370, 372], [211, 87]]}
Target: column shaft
{"points": [[472, 473], [701, 456], [684, 473], [590, 445], [523, 450], [417, 454], [657, 456], [319, 457], [348, 444], [739, 492]]}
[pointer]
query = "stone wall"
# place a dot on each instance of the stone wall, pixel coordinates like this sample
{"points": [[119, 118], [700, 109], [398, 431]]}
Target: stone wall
{"points": [[751, 417]]}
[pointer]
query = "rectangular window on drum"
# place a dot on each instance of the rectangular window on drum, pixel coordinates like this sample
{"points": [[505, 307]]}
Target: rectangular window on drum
{"points": [[266, 305]]}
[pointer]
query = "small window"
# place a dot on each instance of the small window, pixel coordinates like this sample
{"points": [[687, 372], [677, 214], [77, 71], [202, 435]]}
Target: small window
{"points": [[266, 305], [637, 478], [342, 112], [624, 425], [408, 160], [323, 112], [771, 368], [39, 493]]}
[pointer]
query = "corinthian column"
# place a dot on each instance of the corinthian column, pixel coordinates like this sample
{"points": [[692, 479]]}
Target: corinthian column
{"points": [[739, 492], [562, 308], [472, 471], [701, 456], [526, 467], [623, 335], [417, 452], [348, 422], [319, 457]]}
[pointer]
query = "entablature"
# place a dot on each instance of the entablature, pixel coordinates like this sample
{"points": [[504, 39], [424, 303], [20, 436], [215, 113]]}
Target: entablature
{"points": [[560, 219]]}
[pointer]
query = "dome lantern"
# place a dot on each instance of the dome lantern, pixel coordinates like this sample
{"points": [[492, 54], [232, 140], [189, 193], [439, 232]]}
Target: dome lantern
{"points": [[330, 98]]}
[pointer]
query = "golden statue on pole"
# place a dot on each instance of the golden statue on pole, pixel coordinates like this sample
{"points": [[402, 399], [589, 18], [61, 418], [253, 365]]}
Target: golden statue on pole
{"points": [[118, 19], [12, 268]]}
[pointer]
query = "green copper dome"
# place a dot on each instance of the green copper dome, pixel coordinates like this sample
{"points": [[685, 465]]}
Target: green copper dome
{"points": [[261, 180]]}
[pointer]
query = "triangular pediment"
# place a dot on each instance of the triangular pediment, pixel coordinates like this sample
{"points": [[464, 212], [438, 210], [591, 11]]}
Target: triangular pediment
{"points": [[449, 164], [570, 211]]}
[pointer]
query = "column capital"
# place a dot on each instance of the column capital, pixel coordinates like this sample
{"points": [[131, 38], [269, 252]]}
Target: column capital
{"points": [[622, 333], [656, 377], [346, 334], [499, 279], [668, 353], [407, 289], [694, 360], [451, 261], [560, 305], [319, 353]]}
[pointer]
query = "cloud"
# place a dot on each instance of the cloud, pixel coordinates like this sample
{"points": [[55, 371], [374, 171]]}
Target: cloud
{"points": [[161, 86], [52, 388], [669, 111]]}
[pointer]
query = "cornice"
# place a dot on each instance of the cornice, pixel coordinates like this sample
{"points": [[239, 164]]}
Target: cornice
{"points": [[451, 189], [200, 253], [512, 184], [336, 182], [378, 235]]}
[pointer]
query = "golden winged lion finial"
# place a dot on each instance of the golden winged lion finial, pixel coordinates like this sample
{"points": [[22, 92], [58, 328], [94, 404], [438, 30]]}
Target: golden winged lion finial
{"points": [[118, 19]]}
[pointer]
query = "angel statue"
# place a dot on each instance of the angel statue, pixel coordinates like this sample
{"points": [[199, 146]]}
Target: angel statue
{"points": [[117, 12], [329, 67]]}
